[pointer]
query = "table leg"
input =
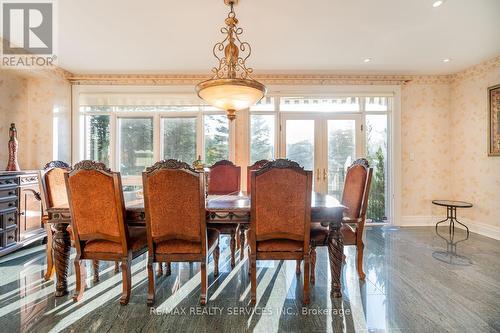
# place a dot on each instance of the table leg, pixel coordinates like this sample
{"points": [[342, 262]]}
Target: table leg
{"points": [[242, 242], [61, 244], [335, 252]]}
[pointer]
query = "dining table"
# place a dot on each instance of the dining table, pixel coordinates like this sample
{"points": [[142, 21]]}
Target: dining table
{"points": [[227, 208]]}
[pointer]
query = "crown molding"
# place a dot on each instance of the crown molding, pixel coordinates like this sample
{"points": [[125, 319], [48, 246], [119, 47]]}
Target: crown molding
{"points": [[270, 79]]}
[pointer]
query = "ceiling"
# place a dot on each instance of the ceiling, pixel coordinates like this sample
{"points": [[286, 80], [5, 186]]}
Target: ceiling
{"points": [[287, 36]]}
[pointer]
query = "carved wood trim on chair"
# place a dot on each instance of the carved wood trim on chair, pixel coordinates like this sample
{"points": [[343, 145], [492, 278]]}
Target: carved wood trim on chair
{"points": [[170, 164], [91, 165], [223, 162]]}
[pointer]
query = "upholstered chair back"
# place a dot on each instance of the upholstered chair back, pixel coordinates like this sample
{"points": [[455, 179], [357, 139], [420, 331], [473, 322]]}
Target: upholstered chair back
{"points": [[354, 189], [254, 167], [96, 202], [53, 186], [174, 201], [281, 201], [224, 178]]}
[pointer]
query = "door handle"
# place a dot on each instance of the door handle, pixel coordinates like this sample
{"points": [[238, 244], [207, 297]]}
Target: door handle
{"points": [[324, 175], [317, 175]]}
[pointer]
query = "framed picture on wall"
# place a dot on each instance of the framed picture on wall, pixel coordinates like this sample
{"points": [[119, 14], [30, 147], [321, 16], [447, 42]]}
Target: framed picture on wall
{"points": [[494, 120]]}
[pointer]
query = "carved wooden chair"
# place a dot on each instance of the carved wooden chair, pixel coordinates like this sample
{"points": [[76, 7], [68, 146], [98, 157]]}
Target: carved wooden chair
{"points": [[174, 198], [53, 193], [355, 198], [224, 178], [98, 222], [254, 167], [280, 217]]}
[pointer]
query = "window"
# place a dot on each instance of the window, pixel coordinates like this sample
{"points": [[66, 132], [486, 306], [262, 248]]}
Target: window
{"points": [[376, 153], [179, 139], [97, 129], [318, 104], [130, 138], [262, 137], [136, 145], [216, 138]]}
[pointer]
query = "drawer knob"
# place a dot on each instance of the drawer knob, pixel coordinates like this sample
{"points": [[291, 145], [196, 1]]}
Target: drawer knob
{"points": [[10, 237], [11, 219], [11, 204], [12, 193]]}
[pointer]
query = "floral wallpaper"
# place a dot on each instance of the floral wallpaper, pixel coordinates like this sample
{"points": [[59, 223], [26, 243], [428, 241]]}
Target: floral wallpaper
{"points": [[425, 142], [476, 176], [32, 101]]}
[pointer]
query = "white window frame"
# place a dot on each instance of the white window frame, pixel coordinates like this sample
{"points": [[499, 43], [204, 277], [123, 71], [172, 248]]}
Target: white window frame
{"points": [[78, 133]]}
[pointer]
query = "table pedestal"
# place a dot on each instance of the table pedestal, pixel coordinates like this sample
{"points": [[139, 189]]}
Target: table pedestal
{"points": [[61, 244], [451, 215], [335, 253]]}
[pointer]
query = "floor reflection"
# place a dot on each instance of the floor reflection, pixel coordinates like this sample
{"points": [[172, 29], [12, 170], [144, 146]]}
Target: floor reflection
{"points": [[452, 239], [405, 289]]}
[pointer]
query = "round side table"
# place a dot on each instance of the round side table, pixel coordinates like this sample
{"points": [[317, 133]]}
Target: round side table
{"points": [[451, 212]]}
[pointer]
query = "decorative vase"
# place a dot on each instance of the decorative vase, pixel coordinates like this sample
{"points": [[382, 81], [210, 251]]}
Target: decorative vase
{"points": [[13, 165]]}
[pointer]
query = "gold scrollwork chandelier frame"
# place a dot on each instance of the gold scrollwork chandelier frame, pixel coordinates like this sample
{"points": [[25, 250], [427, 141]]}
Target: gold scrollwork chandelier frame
{"points": [[232, 54]]}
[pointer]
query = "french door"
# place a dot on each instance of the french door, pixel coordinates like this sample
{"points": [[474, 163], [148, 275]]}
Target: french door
{"points": [[323, 143]]}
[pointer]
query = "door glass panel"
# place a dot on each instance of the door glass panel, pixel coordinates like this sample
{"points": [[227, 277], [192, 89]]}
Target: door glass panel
{"points": [[97, 129], [136, 145], [376, 148], [341, 153], [300, 142], [216, 138], [261, 137], [179, 139]]}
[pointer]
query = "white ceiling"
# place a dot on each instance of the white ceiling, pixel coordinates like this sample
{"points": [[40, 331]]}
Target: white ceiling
{"points": [[287, 36]]}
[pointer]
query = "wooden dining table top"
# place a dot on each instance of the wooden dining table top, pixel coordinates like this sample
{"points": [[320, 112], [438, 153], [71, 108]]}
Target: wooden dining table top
{"points": [[224, 208]]}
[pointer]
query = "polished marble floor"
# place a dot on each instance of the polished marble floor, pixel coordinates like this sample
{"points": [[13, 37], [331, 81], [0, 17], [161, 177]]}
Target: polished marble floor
{"points": [[417, 281]]}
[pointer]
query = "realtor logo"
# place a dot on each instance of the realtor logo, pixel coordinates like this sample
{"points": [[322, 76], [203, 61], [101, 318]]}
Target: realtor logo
{"points": [[27, 28]]}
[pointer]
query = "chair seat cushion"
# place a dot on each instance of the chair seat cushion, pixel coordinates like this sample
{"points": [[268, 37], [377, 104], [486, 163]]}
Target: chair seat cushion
{"points": [[137, 241], [279, 245], [349, 234], [319, 234], [175, 246]]}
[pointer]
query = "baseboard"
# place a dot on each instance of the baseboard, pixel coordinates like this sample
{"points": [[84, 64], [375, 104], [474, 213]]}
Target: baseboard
{"points": [[474, 226]]}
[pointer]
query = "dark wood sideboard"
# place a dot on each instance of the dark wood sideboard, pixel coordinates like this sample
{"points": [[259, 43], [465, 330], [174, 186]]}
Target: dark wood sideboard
{"points": [[20, 210]]}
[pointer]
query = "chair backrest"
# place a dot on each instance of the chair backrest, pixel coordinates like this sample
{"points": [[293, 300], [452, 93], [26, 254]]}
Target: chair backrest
{"points": [[357, 188], [96, 203], [281, 202], [224, 178], [52, 184], [174, 200], [254, 167]]}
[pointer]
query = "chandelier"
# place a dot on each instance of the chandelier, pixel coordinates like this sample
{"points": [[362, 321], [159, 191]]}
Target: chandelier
{"points": [[231, 87]]}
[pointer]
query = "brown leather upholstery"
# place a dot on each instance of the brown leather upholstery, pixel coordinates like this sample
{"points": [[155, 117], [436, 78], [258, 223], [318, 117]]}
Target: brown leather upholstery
{"points": [[254, 167], [224, 178], [280, 217], [354, 188], [56, 188], [137, 240], [98, 223], [348, 234], [173, 204], [279, 200], [94, 209], [280, 245], [183, 247]]}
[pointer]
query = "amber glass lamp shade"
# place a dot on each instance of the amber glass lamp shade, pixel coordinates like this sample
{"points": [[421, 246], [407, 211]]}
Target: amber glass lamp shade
{"points": [[231, 95]]}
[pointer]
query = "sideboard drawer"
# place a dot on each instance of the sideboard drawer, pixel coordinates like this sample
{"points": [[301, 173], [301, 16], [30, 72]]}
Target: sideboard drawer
{"points": [[8, 182], [7, 205], [8, 192], [9, 219], [10, 237]]}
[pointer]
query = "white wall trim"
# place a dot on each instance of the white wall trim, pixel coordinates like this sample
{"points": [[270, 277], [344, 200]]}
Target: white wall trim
{"points": [[430, 221]]}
